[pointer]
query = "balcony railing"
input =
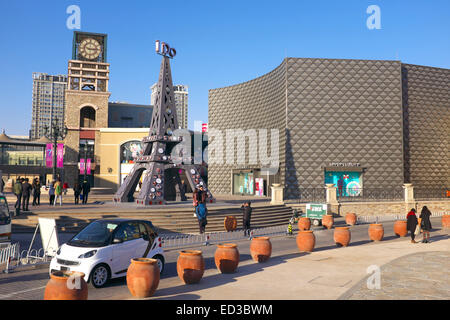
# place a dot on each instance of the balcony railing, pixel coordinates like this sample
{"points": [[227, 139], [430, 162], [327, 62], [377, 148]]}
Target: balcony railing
{"points": [[424, 193]]}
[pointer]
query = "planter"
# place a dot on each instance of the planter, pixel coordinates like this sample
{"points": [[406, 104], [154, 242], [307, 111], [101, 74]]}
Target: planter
{"points": [[190, 266], [66, 285], [376, 232], [261, 249], [400, 228], [342, 236], [227, 257], [230, 223], [304, 224], [306, 241], [350, 219], [446, 221], [327, 221], [143, 277]]}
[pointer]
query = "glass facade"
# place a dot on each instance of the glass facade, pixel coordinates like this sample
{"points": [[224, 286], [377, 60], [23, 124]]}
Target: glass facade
{"points": [[243, 183], [348, 183], [22, 155], [129, 151]]}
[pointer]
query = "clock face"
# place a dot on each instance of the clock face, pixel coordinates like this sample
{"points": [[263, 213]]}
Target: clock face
{"points": [[90, 48]]}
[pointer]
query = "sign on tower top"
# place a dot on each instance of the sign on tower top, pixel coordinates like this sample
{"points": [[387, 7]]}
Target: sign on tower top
{"points": [[164, 49]]}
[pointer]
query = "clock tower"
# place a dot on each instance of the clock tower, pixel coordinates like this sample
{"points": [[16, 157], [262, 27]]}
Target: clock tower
{"points": [[86, 106]]}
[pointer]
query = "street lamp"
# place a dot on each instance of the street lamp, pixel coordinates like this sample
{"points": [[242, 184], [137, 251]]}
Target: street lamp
{"points": [[54, 133]]}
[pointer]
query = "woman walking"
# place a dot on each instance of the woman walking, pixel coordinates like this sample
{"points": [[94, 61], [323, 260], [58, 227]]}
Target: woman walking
{"points": [[426, 224], [58, 193], [36, 192], [411, 224]]}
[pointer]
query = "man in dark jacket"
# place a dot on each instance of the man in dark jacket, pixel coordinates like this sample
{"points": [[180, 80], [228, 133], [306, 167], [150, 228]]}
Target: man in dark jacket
{"points": [[86, 189], [246, 217], [26, 192], [425, 224], [18, 193]]}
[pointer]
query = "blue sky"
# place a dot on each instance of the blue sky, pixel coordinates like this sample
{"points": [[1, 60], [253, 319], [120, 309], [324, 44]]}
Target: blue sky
{"points": [[219, 43]]}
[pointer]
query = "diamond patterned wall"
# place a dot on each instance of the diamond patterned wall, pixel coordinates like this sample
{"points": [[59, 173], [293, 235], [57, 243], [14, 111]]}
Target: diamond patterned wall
{"points": [[426, 108], [343, 111], [256, 104]]}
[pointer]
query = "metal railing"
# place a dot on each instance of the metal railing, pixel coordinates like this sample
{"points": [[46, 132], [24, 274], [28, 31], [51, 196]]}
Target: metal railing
{"points": [[369, 194], [9, 254], [312, 195], [423, 193], [184, 240], [391, 217]]}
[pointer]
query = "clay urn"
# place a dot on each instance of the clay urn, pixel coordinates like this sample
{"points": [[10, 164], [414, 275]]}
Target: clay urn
{"points": [[227, 257], [230, 223], [350, 219], [261, 249], [376, 232], [143, 277], [66, 285], [306, 241], [190, 266], [446, 221], [342, 236], [328, 221], [400, 228], [304, 224]]}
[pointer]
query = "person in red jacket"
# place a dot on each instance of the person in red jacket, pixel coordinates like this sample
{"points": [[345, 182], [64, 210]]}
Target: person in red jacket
{"points": [[411, 223]]}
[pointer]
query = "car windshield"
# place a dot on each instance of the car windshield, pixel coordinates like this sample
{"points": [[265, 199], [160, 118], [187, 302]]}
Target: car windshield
{"points": [[96, 234]]}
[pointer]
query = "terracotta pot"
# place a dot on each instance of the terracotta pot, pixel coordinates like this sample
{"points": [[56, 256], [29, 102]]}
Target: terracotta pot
{"points": [[342, 236], [446, 221], [350, 219], [328, 221], [304, 224], [230, 223], [261, 249], [400, 228], [66, 285], [227, 257], [190, 266], [306, 241], [143, 277], [376, 232]]}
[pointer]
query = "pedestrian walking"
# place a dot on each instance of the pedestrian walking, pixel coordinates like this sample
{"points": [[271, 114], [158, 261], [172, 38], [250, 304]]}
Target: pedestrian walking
{"points": [[65, 187], [18, 192], [201, 209], [411, 224], [425, 224], [86, 187], [58, 193], [26, 193], [195, 201], [36, 186], [51, 192], [246, 217], [77, 192]]}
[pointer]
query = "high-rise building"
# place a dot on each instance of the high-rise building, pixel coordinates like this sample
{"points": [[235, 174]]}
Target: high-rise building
{"points": [[181, 103], [48, 102]]}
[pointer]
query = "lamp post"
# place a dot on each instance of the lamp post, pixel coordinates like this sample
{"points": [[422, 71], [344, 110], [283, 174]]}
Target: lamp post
{"points": [[53, 133]]}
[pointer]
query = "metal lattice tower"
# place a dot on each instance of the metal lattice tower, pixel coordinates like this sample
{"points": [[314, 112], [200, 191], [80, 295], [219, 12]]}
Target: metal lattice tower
{"points": [[161, 181]]}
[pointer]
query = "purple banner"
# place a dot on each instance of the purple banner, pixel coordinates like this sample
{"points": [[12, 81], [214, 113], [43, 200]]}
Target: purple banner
{"points": [[49, 155], [82, 165], [88, 166], [60, 155]]}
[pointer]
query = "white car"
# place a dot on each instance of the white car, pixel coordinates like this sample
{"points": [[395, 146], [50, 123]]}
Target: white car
{"points": [[103, 249], [5, 221]]}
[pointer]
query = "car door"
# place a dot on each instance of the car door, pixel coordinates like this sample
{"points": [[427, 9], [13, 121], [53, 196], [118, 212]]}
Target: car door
{"points": [[129, 236]]}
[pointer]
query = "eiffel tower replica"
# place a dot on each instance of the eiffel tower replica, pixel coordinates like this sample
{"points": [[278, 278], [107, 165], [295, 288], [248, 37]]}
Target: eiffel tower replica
{"points": [[161, 181]]}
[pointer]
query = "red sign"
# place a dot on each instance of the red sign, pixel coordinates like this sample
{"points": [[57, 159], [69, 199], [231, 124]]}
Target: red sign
{"points": [[204, 127]]}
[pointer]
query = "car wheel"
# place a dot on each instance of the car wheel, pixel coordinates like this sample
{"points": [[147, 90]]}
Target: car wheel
{"points": [[160, 262], [99, 276]]}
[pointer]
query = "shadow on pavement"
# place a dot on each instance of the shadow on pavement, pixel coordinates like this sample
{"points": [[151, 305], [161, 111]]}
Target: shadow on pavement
{"points": [[220, 279]]}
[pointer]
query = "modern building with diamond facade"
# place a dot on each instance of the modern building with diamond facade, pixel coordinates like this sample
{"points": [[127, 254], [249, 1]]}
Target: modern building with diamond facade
{"points": [[355, 123]]}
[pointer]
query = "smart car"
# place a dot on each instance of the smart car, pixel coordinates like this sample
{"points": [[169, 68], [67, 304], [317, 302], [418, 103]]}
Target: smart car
{"points": [[104, 248]]}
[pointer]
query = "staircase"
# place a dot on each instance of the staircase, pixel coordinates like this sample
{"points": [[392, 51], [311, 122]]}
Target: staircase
{"points": [[179, 220]]}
